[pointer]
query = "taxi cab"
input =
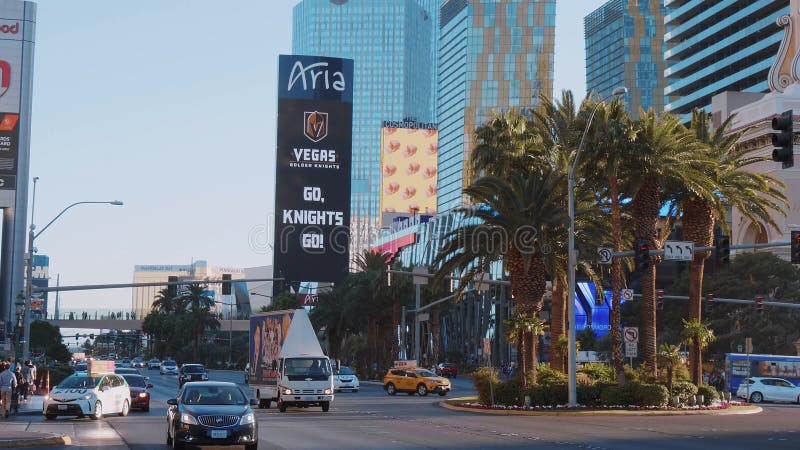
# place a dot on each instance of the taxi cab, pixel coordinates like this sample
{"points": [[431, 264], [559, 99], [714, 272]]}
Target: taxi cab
{"points": [[98, 392], [414, 380]]}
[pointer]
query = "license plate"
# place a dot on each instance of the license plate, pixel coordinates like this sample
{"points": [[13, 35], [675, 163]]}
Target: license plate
{"points": [[62, 407], [219, 434]]}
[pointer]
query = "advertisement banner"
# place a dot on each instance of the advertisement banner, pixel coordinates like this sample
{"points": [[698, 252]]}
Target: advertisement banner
{"points": [[267, 333], [312, 178], [409, 165]]}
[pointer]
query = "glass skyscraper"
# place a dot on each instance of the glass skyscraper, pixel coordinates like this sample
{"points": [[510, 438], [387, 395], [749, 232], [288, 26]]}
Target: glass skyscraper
{"points": [[714, 46], [392, 44], [624, 47], [492, 55]]}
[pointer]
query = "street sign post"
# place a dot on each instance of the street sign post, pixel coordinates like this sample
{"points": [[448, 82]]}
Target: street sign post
{"points": [[631, 337], [678, 251], [604, 255], [631, 350], [627, 294]]}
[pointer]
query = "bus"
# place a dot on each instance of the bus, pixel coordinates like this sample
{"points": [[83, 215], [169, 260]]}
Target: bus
{"points": [[739, 366]]}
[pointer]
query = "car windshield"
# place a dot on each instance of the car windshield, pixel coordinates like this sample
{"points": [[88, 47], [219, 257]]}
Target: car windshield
{"points": [[308, 367], [170, 363], [78, 382], [193, 369], [135, 380], [81, 368], [213, 395], [425, 373], [124, 370], [344, 370]]}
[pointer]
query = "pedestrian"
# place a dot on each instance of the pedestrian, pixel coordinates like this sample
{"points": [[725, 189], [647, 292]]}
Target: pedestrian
{"points": [[7, 384], [26, 379], [34, 375], [16, 393]]}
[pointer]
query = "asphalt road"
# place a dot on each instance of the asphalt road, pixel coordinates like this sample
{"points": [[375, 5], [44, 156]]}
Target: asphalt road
{"points": [[371, 419]]}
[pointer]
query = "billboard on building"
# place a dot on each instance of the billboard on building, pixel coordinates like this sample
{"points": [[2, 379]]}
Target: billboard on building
{"points": [[41, 279], [409, 170], [312, 177]]}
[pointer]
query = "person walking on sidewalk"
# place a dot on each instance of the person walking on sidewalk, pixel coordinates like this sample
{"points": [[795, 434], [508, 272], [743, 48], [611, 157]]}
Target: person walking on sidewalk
{"points": [[8, 382], [16, 393], [26, 379]]}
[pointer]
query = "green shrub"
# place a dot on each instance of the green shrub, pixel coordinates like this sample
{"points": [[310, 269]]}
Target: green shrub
{"points": [[709, 393], [650, 395], [589, 394], [613, 395], [630, 374], [598, 372], [547, 395], [481, 379], [509, 393], [684, 390], [546, 375]]}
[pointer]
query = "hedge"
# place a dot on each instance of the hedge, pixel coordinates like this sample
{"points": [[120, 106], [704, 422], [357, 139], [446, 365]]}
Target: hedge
{"points": [[709, 393], [685, 391]]}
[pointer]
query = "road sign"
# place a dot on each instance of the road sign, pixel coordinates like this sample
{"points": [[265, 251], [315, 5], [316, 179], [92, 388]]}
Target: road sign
{"points": [[740, 348], [631, 334], [678, 251], [604, 254], [424, 317], [627, 294], [631, 350]]}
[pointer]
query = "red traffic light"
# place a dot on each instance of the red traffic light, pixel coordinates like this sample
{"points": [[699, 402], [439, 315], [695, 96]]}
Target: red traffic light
{"points": [[710, 297], [660, 294]]}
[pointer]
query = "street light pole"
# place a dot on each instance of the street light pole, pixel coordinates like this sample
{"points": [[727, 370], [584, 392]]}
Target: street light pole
{"points": [[32, 235], [572, 257]]}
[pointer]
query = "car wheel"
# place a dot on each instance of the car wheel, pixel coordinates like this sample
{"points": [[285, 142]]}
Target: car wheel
{"points": [[126, 408], [390, 389], [282, 407], [50, 416], [98, 411], [176, 444], [442, 394], [756, 397], [267, 403], [422, 390], [326, 406], [798, 399]]}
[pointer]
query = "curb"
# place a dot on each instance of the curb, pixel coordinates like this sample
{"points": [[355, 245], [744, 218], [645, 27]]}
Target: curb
{"points": [[502, 412], [45, 440]]}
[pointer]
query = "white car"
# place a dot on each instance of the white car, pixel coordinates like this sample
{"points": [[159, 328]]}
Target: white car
{"points": [[88, 395], [345, 380], [168, 367], [768, 389], [154, 364]]}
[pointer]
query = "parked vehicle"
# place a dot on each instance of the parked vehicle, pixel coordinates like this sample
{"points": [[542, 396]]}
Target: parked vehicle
{"points": [[345, 380], [192, 372], [154, 363], [140, 394], [765, 389], [287, 365], [447, 370], [168, 367], [414, 380], [211, 413], [88, 395]]}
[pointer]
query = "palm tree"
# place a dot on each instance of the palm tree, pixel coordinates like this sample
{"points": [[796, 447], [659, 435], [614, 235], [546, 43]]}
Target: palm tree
{"points": [[524, 331], [510, 221], [697, 335], [165, 303], [758, 196], [670, 356], [198, 321], [665, 159], [196, 297]]}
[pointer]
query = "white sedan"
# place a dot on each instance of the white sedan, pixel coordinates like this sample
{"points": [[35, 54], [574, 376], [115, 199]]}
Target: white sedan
{"points": [[345, 380], [758, 389], [85, 395]]}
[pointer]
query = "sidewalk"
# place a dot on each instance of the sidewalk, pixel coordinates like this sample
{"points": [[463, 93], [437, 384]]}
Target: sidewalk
{"points": [[32, 407], [15, 434]]}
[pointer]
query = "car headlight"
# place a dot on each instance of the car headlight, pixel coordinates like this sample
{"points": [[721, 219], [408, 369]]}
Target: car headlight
{"points": [[204, 377], [188, 419], [287, 391], [327, 391], [142, 394], [86, 397], [248, 419]]}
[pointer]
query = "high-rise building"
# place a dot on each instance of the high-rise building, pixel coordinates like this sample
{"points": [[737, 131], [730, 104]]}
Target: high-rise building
{"points": [[492, 56], [624, 47], [714, 46], [392, 45]]}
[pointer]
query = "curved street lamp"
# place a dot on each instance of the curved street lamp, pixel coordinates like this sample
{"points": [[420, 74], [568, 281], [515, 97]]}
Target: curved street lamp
{"points": [[572, 369], [29, 271]]}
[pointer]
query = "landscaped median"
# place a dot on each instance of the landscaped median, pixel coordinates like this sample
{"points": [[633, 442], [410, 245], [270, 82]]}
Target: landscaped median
{"points": [[470, 404]]}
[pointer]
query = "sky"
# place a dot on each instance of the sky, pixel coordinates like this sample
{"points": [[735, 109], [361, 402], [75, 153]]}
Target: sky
{"points": [[169, 106]]}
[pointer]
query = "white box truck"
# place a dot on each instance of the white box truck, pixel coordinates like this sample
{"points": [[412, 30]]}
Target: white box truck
{"points": [[287, 365]]}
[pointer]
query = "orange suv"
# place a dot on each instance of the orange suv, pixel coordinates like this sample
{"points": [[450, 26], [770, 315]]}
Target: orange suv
{"points": [[414, 380]]}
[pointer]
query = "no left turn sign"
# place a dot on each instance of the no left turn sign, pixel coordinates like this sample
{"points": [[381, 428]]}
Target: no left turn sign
{"points": [[631, 334]]}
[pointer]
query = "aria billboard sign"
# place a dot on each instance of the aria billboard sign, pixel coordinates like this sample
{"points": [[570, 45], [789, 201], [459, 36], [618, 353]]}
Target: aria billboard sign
{"points": [[312, 179]]}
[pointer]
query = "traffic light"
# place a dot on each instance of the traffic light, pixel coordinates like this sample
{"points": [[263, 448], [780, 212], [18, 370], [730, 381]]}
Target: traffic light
{"points": [[783, 140], [709, 302], [723, 250], [641, 256], [659, 299], [795, 247], [760, 304], [172, 289], [226, 284]]}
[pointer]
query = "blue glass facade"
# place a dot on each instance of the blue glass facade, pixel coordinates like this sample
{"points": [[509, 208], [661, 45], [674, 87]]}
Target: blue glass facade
{"points": [[714, 46], [493, 54], [392, 44], [624, 47]]}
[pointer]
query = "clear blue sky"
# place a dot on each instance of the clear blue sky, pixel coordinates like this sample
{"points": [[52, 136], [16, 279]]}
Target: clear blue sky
{"points": [[169, 106]]}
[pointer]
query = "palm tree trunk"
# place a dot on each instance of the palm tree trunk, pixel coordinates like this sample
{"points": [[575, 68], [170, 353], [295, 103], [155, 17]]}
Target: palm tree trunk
{"points": [[646, 214], [698, 227], [557, 325], [528, 286], [616, 283], [534, 339]]}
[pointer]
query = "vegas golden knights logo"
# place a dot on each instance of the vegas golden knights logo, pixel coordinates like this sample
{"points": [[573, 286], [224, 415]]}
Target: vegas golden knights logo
{"points": [[316, 125]]}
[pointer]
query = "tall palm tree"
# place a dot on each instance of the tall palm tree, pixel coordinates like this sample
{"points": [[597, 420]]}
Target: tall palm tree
{"points": [[196, 297], [666, 158], [758, 196], [165, 303], [510, 221], [201, 318]]}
